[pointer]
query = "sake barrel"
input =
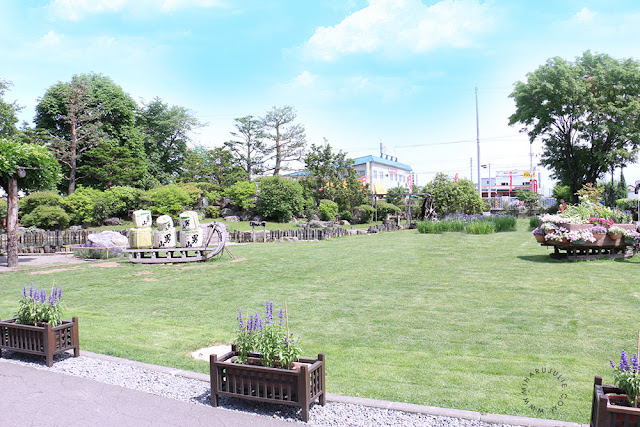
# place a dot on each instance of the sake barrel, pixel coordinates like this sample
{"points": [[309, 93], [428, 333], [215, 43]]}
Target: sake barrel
{"points": [[140, 238], [141, 218], [189, 220]]}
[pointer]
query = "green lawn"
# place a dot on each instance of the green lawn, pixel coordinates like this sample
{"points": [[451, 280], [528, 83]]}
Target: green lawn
{"points": [[451, 320]]}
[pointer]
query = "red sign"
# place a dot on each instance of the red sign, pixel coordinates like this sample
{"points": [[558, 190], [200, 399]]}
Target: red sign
{"points": [[363, 180], [535, 185], [410, 183], [393, 170], [455, 179]]}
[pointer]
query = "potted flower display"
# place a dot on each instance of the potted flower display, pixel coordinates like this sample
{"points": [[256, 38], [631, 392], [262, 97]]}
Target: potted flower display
{"points": [[538, 233], [619, 404], [264, 365], [615, 233], [38, 328], [599, 232], [556, 237], [580, 237], [631, 237], [601, 222], [548, 227]]}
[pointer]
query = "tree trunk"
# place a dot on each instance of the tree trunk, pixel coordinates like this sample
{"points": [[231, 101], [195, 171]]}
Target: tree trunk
{"points": [[12, 222], [73, 160], [276, 170]]}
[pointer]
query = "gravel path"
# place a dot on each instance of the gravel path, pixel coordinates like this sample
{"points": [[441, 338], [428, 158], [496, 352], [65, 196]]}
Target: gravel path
{"points": [[197, 392]]}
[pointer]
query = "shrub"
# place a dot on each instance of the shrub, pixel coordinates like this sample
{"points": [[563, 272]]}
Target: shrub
{"points": [[452, 224], [534, 221], [80, 205], [630, 205], [212, 212], [328, 210], [385, 209], [396, 195], [118, 201], [280, 199], [47, 217], [3, 209], [42, 198], [502, 222], [346, 215], [210, 190], [364, 213], [480, 227], [243, 194], [169, 200], [428, 227], [194, 193]]}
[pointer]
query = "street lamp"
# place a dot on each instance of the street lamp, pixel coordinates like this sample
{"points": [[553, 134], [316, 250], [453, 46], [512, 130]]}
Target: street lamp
{"points": [[489, 166]]}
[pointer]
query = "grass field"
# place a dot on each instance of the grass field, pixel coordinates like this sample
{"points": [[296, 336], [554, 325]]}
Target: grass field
{"points": [[452, 320]]}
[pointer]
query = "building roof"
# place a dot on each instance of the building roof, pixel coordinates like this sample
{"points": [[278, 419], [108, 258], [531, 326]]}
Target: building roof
{"points": [[298, 173], [367, 159]]}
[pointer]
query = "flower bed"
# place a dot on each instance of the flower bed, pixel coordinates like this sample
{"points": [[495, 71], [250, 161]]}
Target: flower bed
{"points": [[300, 386], [607, 407]]}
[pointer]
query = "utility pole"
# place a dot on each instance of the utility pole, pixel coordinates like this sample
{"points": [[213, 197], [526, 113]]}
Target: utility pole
{"points": [[531, 176], [478, 139], [471, 168]]}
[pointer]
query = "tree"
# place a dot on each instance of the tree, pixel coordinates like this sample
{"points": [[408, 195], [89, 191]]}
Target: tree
{"points": [[287, 139], [279, 198], [214, 165], [249, 148], [529, 198], [330, 176], [8, 113], [451, 197], [587, 113], [165, 133], [80, 114], [110, 164], [26, 166]]}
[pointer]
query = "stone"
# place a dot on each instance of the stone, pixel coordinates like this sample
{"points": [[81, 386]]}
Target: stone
{"points": [[288, 239], [345, 222], [232, 218], [315, 217], [316, 224], [109, 239], [75, 228], [352, 232], [112, 221], [362, 231], [245, 215], [227, 212]]}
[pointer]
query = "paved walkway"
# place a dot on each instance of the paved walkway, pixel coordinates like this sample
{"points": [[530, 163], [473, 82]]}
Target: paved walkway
{"points": [[34, 397]]}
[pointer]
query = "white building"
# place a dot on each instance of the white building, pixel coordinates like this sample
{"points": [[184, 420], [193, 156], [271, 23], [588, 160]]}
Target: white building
{"points": [[382, 173]]}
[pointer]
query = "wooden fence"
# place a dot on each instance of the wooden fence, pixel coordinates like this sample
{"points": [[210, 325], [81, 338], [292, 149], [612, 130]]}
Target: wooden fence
{"points": [[54, 241], [46, 241]]}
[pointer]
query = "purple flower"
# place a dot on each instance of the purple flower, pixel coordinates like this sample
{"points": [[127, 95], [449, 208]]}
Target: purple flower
{"points": [[59, 292], [240, 322], [613, 365], [31, 291], [624, 363], [258, 322], [24, 291], [269, 313], [281, 314], [43, 295], [635, 363]]}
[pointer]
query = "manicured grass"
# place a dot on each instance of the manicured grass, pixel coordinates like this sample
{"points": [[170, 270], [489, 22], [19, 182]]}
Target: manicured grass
{"points": [[453, 320]]}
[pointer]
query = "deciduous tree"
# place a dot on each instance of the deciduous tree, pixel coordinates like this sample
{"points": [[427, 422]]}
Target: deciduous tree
{"points": [[586, 112]]}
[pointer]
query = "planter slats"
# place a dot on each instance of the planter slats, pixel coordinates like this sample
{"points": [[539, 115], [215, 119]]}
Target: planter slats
{"points": [[44, 340], [604, 414], [299, 387]]}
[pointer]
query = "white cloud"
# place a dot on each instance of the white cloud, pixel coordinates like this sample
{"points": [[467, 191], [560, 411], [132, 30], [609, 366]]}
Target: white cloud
{"points": [[397, 26], [75, 10], [584, 16], [304, 79], [50, 39]]}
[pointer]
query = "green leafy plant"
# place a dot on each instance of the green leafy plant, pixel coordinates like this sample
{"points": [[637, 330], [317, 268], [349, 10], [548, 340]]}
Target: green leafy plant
{"points": [[212, 212], [385, 209], [47, 217], [627, 377], [80, 205], [534, 221], [243, 194], [27, 204], [364, 213], [169, 200], [279, 198], [269, 338], [480, 227], [327, 210], [36, 307]]}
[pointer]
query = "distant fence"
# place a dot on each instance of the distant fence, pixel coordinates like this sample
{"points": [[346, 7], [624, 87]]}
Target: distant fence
{"points": [[46, 241], [54, 241]]}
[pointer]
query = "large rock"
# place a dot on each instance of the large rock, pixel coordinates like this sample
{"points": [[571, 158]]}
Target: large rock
{"points": [[352, 232], [317, 224], [109, 239], [362, 231], [227, 212], [246, 215], [112, 221], [288, 239], [232, 218], [344, 222]]}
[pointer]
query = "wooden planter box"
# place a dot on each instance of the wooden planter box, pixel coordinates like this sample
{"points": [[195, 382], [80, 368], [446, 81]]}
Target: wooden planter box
{"points": [[42, 340], [297, 387], [604, 414]]}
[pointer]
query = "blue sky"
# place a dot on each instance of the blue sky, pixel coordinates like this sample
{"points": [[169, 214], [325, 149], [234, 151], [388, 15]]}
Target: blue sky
{"points": [[359, 73]]}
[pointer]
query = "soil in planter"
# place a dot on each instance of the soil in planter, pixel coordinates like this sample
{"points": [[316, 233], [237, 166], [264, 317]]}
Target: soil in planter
{"points": [[254, 361]]}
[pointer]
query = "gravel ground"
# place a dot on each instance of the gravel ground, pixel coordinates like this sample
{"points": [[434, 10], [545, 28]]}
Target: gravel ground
{"points": [[197, 392]]}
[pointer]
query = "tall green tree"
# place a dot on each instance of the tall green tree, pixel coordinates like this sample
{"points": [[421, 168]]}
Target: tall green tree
{"points": [[586, 112], [23, 166], [166, 133], [80, 114], [110, 164], [331, 176], [248, 146], [451, 197], [287, 139], [8, 111], [215, 165]]}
